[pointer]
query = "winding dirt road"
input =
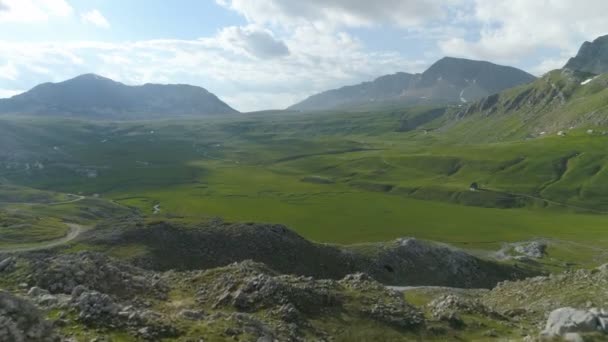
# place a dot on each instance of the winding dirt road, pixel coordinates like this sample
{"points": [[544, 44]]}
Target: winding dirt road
{"points": [[74, 232]]}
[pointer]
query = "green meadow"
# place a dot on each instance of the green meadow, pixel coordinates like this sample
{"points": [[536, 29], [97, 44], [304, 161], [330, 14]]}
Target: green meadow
{"points": [[333, 177]]}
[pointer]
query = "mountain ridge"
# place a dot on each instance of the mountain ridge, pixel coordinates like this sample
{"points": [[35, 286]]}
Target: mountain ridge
{"points": [[92, 95], [449, 80]]}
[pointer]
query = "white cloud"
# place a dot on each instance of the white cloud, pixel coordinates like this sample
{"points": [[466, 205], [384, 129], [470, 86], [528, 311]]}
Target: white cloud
{"points": [[332, 13], [6, 93], [315, 63], [96, 18], [549, 64], [31, 11], [516, 29], [252, 40], [8, 71]]}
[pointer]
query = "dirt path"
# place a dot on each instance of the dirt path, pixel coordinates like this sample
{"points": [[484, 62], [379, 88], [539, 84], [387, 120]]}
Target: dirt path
{"points": [[77, 199], [546, 200], [74, 232]]}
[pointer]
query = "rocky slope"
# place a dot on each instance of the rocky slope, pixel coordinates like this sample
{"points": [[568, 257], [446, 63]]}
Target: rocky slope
{"points": [[221, 281], [87, 295], [592, 57], [449, 80], [97, 97]]}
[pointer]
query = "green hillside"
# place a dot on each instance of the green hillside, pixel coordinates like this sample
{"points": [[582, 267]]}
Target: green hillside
{"points": [[560, 101]]}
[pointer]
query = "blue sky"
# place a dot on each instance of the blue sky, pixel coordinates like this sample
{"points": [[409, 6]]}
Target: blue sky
{"points": [[260, 54]]}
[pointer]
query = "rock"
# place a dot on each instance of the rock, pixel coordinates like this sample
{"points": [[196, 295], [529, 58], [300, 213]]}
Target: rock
{"points": [[20, 321], [288, 313], [78, 290], [449, 307], [7, 264], [97, 309], [193, 315], [566, 320], [534, 249], [249, 287], [47, 300], [573, 337], [37, 292], [396, 313]]}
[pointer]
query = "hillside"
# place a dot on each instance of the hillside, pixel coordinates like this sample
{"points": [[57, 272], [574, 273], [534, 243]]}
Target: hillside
{"points": [[449, 80], [95, 97]]}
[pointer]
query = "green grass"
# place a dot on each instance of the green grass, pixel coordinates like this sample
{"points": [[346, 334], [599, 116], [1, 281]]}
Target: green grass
{"points": [[377, 183]]}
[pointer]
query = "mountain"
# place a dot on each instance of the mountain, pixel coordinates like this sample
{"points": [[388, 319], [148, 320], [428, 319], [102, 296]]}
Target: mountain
{"points": [[592, 57], [382, 89], [449, 80], [93, 96], [561, 101]]}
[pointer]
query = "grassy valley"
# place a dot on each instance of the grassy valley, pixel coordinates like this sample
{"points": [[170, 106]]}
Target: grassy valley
{"points": [[360, 182]]}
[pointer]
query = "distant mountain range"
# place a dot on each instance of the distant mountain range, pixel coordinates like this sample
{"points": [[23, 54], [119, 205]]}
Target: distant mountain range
{"points": [[449, 80], [97, 97]]}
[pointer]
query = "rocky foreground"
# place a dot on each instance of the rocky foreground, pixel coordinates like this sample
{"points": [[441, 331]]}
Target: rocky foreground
{"points": [[66, 295]]}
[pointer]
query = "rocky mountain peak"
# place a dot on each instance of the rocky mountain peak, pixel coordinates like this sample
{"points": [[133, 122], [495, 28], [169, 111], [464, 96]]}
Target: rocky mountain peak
{"points": [[592, 57]]}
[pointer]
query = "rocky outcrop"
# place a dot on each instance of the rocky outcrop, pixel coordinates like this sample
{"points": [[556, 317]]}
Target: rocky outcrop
{"points": [[96, 271], [415, 262], [569, 320], [402, 262], [534, 249], [450, 308], [247, 287], [20, 321]]}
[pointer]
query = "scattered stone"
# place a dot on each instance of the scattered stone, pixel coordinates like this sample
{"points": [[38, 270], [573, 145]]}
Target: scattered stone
{"points": [[95, 271], [97, 309], [20, 321], [193, 315]]}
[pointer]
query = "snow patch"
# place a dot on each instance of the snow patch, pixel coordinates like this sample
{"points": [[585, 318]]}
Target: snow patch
{"points": [[462, 99], [588, 81]]}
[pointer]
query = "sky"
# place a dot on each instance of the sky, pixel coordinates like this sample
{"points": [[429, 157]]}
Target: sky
{"points": [[269, 54]]}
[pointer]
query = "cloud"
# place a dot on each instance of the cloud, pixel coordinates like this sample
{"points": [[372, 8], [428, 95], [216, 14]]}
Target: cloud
{"points": [[252, 40], [8, 71], [509, 31], [332, 13], [315, 63], [6, 93], [31, 11], [96, 18]]}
